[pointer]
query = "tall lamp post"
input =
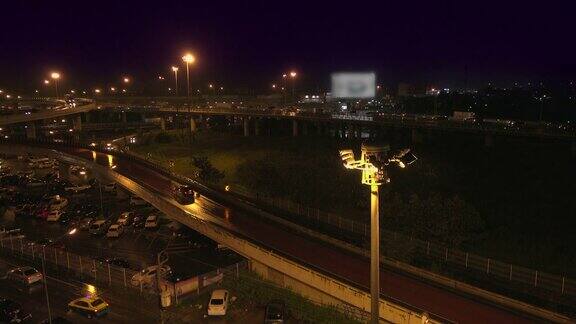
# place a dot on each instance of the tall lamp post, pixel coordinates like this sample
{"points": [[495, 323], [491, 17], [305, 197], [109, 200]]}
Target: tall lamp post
{"points": [[188, 59], [175, 70], [71, 232], [293, 75], [55, 76], [373, 163]]}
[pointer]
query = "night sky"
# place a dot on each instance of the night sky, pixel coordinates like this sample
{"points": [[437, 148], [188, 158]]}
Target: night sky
{"points": [[251, 43]]}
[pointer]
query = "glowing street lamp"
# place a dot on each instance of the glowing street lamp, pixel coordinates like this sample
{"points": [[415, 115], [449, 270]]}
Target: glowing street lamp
{"points": [[374, 162], [188, 59], [175, 70], [55, 76], [46, 82], [97, 91], [126, 80]]}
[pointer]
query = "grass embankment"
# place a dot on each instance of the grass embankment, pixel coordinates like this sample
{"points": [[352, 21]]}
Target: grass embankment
{"points": [[513, 202]]}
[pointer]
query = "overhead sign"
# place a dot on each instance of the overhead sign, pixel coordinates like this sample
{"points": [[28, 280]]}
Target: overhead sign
{"points": [[353, 85]]}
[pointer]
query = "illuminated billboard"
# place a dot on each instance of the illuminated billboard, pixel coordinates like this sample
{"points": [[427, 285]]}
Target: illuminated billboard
{"points": [[353, 85]]}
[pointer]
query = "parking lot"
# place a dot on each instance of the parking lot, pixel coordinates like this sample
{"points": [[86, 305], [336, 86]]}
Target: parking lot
{"points": [[33, 190]]}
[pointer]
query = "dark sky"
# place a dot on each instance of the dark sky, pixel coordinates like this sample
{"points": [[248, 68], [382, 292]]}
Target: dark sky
{"points": [[250, 43]]}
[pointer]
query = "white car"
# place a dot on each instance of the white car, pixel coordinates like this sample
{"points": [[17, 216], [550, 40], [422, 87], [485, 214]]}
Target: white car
{"points": [[151, 222], [54, 215], [218, 303], [115, 230], [27, 275], [58, 203], [148, 275], [126, 218]]}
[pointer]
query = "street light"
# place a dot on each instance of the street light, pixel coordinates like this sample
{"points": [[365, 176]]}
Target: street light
{"points": [[188, 59], [70, 232], [175, 70], [126, 80], [55, 76], [374, 162]]}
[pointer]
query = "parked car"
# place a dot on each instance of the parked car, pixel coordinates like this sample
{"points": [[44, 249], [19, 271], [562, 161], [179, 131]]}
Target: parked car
{"points": [[148, 275], [26, 275], [58, 202], [99, 227], [54, 215], [218, 303], [274, 312], [119, 262], [115, 230], [151, 222], [126, 218], [89, 306]]}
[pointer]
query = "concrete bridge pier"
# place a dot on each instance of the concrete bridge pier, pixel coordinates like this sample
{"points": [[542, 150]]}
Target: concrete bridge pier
{"points": [[257, 126], [488, 140], [193, 125], [294, 128], [31, 130], [77, 123], [246, 124]]}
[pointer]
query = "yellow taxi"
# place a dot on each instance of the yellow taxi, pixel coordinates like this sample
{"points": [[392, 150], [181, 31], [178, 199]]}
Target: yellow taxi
{"points": [[89, 306]]}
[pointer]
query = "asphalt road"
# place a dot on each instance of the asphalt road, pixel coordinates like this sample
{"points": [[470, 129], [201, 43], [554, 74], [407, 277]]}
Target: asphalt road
{"points": [[353, 268]]}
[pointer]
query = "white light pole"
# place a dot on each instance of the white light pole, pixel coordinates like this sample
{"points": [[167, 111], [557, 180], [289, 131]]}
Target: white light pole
{"points": [[175, 70], [188, 59], [373, 162]]}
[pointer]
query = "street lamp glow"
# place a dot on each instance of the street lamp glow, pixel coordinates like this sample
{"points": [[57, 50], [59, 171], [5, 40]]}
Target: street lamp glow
{"points": [[97, 90], [112, 89], [55, 75], [46, 82], [174, 69], [126, 80], [72, 231], [188, 58], [273, 86], [293, 74], [210, 86]]}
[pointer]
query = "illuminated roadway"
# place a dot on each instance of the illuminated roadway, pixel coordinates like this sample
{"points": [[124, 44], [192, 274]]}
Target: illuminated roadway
{"points": [[353, 269]]}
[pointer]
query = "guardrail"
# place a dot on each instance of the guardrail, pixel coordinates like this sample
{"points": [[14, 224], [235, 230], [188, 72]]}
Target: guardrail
{"points": [[434, 251]]}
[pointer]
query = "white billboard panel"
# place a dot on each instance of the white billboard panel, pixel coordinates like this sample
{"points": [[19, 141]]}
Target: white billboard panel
{"points": [[353, 85]]}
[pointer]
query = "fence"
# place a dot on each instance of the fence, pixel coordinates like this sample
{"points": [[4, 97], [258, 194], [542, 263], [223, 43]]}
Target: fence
{"points": [[62, 261], [89, 269]]}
